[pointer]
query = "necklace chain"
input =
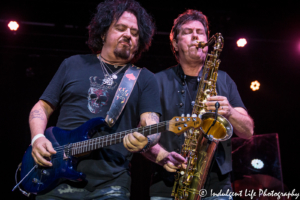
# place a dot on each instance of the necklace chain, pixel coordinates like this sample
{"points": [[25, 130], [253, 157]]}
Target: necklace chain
{"points": [[108, 78]]}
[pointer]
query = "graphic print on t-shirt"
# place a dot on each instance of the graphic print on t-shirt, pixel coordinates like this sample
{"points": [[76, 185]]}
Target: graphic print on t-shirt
{"points": [[98, 94]]}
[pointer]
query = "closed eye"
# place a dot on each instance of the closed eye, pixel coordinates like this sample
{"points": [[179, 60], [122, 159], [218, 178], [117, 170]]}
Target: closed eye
{"points": [[121, 27]]}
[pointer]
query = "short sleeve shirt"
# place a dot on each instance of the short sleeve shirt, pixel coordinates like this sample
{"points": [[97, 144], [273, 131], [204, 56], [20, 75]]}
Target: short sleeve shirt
{"points": [[78, 90]]}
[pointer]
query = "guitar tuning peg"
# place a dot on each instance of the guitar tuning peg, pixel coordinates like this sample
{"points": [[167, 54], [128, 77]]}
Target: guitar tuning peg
{"points": [[188, 115], [194, 115], [200, 116], [182, 115]]}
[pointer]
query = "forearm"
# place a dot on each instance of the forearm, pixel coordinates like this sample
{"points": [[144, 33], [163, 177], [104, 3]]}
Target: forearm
{"points": [[242, 123], [150, 119], [38, 118], [156, 154]]}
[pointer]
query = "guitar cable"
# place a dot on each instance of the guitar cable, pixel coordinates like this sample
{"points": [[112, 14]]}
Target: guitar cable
{"points": [[27, 194]]}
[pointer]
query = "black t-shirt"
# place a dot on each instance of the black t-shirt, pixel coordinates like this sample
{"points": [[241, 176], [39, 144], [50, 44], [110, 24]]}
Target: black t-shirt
{"points": [[191, 92], [78, 90]]}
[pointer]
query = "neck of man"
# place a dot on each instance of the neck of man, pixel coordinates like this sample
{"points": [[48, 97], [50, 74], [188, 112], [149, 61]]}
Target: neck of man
{"points": [[113, 60], [191, 68]]}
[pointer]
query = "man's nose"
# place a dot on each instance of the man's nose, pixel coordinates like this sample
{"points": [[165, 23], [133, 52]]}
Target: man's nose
{"points": [[195, 35], [127, 33]]}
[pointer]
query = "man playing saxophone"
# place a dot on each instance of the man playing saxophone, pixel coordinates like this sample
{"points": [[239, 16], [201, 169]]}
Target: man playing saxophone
{"points": [[178, 90]]}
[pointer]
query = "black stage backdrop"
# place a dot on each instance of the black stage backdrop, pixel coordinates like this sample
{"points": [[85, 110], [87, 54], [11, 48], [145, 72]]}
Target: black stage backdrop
{"points": [[54, 30]]}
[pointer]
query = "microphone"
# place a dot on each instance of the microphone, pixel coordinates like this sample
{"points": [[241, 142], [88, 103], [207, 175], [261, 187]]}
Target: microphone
{"points": [[217, 105]]}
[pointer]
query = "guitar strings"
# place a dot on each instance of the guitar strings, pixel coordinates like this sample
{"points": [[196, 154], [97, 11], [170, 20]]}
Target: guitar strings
{"points": [[61, 149], [99, 141], [147, 128]]}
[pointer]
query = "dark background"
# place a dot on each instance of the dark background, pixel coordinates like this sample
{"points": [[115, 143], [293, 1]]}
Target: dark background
{"points": [[30, 57]]}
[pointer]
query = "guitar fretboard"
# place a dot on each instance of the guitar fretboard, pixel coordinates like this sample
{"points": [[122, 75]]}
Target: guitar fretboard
{"points": [[111, 139]]}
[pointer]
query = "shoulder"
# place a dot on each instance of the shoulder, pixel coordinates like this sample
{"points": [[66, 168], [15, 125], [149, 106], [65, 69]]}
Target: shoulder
{"points": [[166, 71], [164, 74], [145, 78], [224, 77], [146, 72], [79, 62], [81, 58], [222, 73]]}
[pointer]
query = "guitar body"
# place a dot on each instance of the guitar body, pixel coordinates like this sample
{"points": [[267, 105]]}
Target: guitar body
{"points": [[78, 142], [46, 178]]}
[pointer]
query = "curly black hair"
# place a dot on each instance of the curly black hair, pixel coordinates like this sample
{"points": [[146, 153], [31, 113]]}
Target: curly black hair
{"points": [[189, 15], [111, 10]]}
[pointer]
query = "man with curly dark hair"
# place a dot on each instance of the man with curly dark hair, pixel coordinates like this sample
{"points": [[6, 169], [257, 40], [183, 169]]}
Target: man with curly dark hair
{"points": [[84, 87], [105, 16]]}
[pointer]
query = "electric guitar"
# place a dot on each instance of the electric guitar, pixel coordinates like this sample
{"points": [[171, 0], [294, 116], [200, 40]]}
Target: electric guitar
{"points": [[70, 145]]}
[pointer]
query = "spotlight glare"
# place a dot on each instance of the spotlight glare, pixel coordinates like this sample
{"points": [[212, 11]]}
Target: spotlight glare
{"points": [[255, 85], [241, 42], [13, 25], [257, 163]]}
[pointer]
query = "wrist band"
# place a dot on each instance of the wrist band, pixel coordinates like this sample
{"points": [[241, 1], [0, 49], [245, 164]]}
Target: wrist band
{"points": [[147, 147], [36, 137]]}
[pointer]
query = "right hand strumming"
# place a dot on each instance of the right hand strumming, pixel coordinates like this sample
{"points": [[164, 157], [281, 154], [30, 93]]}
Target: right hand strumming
{"points": [[42, 150]]}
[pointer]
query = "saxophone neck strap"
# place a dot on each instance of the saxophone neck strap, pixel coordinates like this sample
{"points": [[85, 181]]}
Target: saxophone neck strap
{"points": [[122, 94]]}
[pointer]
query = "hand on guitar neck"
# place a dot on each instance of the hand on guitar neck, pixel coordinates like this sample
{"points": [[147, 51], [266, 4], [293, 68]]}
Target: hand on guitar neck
{"points": [[135, 142]]}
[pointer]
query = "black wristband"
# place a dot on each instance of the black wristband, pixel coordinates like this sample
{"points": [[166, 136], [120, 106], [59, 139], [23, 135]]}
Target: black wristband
{"points": [[147, 147]]}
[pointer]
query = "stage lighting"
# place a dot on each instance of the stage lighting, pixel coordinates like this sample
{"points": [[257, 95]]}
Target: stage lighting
{"points": [[241, 42], [257, 164], [255, 85], [13, 25]]}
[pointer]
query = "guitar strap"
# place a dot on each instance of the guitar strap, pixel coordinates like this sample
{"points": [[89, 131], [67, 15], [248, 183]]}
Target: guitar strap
{"points": [[122, 94]]}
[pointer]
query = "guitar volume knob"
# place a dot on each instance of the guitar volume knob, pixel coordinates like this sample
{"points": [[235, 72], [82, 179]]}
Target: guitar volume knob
{"points": [[44, 172], [35, 180]]}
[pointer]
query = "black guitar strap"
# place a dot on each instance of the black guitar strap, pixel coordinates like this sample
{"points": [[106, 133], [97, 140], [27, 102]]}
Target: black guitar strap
{"points": [[122, 94]]}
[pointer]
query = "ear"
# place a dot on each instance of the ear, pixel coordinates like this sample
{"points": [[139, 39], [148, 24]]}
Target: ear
{"points": [[175, 46], [103, 38]]}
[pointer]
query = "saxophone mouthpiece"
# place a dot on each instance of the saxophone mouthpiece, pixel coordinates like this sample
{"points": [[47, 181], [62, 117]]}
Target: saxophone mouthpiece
{"points": [[201, 44]]}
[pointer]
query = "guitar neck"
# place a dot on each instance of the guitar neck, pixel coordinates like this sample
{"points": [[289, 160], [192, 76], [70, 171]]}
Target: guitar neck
{"points": [[111, 139]]}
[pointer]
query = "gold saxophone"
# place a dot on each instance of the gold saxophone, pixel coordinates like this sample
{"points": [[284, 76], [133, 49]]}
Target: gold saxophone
{"points": [[200, 144]]}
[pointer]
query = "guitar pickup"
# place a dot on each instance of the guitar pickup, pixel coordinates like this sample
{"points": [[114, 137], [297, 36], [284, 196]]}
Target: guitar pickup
{"points": [[67, 151], [37, 181]]}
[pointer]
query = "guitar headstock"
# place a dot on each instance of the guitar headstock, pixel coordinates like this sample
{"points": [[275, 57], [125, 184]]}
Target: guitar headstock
{"points": [[178, 125]]}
